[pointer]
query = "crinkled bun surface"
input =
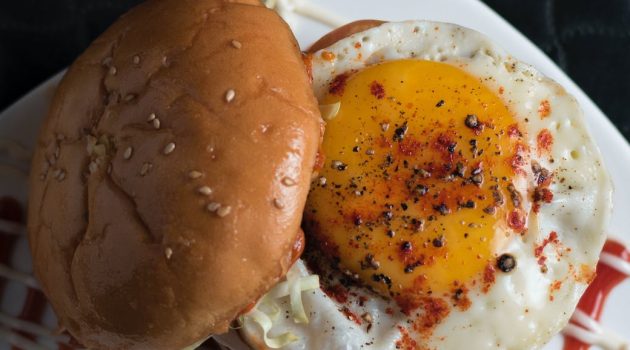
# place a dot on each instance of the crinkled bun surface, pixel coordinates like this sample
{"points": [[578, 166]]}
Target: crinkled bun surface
{"points": [[171, 172]]}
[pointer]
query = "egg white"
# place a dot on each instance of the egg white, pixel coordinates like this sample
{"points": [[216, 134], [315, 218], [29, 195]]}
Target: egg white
{"points": [[518, 311]]}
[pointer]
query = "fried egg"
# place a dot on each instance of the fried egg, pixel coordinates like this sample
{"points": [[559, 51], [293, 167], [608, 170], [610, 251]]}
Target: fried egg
{"points": [[461, 202]]}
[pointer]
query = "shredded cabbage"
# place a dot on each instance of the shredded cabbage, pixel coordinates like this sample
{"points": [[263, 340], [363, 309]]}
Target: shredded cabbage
{"points": [[329, 112], [267, 310], [295, 296], [265, 323]]}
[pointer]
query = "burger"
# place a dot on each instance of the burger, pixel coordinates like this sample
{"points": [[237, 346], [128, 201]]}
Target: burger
{"points": [[454, 199], [171, 173]]}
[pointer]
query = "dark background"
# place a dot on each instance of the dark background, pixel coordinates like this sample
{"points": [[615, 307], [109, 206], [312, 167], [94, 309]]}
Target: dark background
{"points": [[588, 39]]}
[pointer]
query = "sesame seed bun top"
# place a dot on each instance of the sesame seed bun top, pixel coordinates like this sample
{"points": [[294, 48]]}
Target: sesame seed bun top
{"points": [[171, 172]]}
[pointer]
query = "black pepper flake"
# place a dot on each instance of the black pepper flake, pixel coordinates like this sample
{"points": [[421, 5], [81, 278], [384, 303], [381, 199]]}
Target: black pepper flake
{"points": [[358, 220], [438, 242], [441, 208], [388, 161], [423, 173], [405, 247], [369, 263], [421, 190], [460, 169], [391, 233], [339, 165], [470, 204], [404, 206], [497, 196], [451, 147], [356, 149], [477, 179], [382, 278], [417, 224], [399, 133], [458, 294], [541, 174], [490, 210], [440, 103], [410, 267], [472, 121], [388, 215], [515, 196], [506, 263]]}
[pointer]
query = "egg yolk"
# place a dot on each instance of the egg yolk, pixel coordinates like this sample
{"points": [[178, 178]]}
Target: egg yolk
{"points": [[416, 190]]}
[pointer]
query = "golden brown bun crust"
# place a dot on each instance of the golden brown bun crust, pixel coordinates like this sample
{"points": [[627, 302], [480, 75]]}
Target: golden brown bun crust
{"points": [[123, 243], [342, 32]]}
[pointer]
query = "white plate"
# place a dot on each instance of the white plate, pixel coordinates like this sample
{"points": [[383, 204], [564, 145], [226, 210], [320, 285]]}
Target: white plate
{"points": [[20, 122]]}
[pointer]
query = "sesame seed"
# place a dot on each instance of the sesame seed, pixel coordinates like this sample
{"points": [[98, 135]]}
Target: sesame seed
{"points": [[128, 153], [156, 123], [112, 70], [205, 190], [56, 173], [165, 61], [287, 181], [224, 211], [194, 174], [277, 203], [168, 149], [264, 128], [92, 167], [168, 252], [100, 149], [229, 95], [151, 117], [130, 97], [56, 153], [62, 175], [213, 206], [136, 59], [237, 44], [146, 167], [322, 181], [106, 61]]}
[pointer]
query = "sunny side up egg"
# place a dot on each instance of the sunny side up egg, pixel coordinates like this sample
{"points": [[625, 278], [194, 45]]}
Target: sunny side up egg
{"points": [[462, 203]]}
